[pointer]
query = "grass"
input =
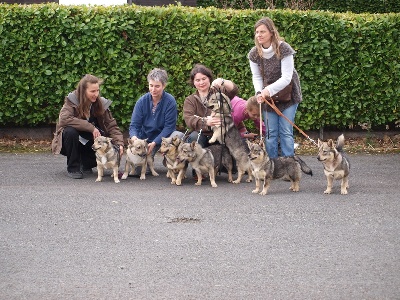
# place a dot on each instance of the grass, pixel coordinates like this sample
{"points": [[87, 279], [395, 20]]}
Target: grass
{"points": [[366, 145]]}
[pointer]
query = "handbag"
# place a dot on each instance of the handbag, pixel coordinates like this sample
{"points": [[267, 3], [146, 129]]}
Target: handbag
{"points": [[284, 95]]}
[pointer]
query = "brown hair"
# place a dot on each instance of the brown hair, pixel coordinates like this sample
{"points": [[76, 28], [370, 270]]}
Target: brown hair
{"points": [[84, 102], [276, 38], [199, 68], [252, 103]]}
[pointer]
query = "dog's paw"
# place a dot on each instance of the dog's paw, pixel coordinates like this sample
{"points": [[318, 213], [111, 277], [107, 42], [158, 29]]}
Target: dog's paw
{"points": [[213, 184], [98, 179], [343, 192], [263, 192], [255, 191], [116, 181], [142, 177], [328, 191], [155, 173], [124, 176], [236, 181]]}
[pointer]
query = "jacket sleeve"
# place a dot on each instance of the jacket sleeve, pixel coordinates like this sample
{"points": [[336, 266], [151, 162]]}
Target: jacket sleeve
{"points": [[193, 118], [112, 128], [68, 117]]}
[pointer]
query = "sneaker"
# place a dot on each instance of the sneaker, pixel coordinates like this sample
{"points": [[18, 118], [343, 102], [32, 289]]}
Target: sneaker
{"points": [[87, 171], [75, 175]]}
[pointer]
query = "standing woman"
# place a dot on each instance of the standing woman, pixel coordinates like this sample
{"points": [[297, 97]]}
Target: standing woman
{"points": [[275, 57], [84, 116], [155, 113], [195, 112]]}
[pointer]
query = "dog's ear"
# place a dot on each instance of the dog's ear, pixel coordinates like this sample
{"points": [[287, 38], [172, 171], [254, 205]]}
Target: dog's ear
{"points": [[193, 144], [319, 143], [249, 144], [331, 144]]}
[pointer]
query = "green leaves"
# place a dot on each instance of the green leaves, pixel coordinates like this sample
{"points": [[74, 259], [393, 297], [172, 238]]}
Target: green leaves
{"points": [[348, 63]]}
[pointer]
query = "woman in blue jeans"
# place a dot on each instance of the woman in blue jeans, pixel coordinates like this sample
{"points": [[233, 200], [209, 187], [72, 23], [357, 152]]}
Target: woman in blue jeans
{"points": [[272, 66]]}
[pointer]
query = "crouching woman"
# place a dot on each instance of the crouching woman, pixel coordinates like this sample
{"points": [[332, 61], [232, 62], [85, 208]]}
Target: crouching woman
{"points": [[84, 116]]}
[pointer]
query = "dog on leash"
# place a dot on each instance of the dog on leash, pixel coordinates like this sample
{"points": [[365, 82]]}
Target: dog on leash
{"points": [[136, 156], [201, 159], [266, 169], [229, 135], [220, 106], [238, 149], [107, 157], [169, 150], [336, 164]]}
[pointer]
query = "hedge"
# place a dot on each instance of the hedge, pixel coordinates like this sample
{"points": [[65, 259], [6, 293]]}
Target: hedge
{"points": [[355, 6], [348, 63]]}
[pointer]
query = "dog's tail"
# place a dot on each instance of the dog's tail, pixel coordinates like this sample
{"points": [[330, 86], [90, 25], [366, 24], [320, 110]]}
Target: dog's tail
{"points": [[340, 143], [306, 169]]}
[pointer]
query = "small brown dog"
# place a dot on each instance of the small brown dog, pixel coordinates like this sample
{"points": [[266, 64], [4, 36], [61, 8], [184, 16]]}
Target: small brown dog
{"points": [[107, 157], [169, 150], [336, 164], [201, 160], [136, 155]]}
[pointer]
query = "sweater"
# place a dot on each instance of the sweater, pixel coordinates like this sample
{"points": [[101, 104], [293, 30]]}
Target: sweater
{"points": [[153, 126]]}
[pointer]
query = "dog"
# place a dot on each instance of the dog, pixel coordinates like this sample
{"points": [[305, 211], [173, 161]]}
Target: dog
{"points": [[169, 150], [336, 164], [201, 159], [220, 106], [136, 155], [222, 158], [107, 157], [238, 149], [266, 169], [229, 135]]}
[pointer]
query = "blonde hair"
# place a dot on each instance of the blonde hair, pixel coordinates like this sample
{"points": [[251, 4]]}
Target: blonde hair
{"points": [[276, 38], [252, 103], [84, 102]]}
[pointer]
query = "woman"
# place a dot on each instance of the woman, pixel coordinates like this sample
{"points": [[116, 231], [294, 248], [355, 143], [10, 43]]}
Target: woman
{"points": [[155, 113], [275, 57], [84, 116], [195, 113]]}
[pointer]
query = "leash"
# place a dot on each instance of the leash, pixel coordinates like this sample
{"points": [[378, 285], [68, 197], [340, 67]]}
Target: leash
{"points": [[271, 103]]}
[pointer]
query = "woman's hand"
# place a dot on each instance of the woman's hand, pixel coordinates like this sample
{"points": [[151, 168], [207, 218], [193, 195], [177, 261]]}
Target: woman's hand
{"points": [[150, 147], [213, 121], [96, 133], [218, 82], [250, 135]]}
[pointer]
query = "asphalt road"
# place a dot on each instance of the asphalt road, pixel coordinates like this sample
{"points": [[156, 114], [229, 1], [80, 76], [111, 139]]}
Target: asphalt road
{"points": [[62, 238]]}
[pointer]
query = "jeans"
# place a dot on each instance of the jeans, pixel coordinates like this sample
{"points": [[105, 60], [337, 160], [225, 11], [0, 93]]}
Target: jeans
{"points": [[203, 139], [279, 130]]}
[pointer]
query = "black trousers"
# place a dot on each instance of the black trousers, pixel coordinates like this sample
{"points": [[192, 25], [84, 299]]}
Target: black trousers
{"points": [[78, 155]]}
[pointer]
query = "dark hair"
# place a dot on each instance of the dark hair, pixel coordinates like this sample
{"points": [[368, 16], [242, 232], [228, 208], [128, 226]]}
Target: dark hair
{"points": [[199, 68], [84, 103]]}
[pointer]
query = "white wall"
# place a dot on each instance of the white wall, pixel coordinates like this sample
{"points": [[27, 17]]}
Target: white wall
{"points": [[92, 2]]}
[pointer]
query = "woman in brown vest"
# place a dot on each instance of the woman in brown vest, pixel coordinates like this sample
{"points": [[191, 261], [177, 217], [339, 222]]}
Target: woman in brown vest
{"points": [[272, 67]]}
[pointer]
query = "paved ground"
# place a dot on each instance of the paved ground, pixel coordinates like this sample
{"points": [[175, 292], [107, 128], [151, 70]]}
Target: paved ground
{"points": [[77, 239]]}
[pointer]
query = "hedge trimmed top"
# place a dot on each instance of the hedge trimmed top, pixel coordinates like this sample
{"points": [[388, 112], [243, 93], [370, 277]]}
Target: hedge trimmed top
{"points": [[348, 63]]}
